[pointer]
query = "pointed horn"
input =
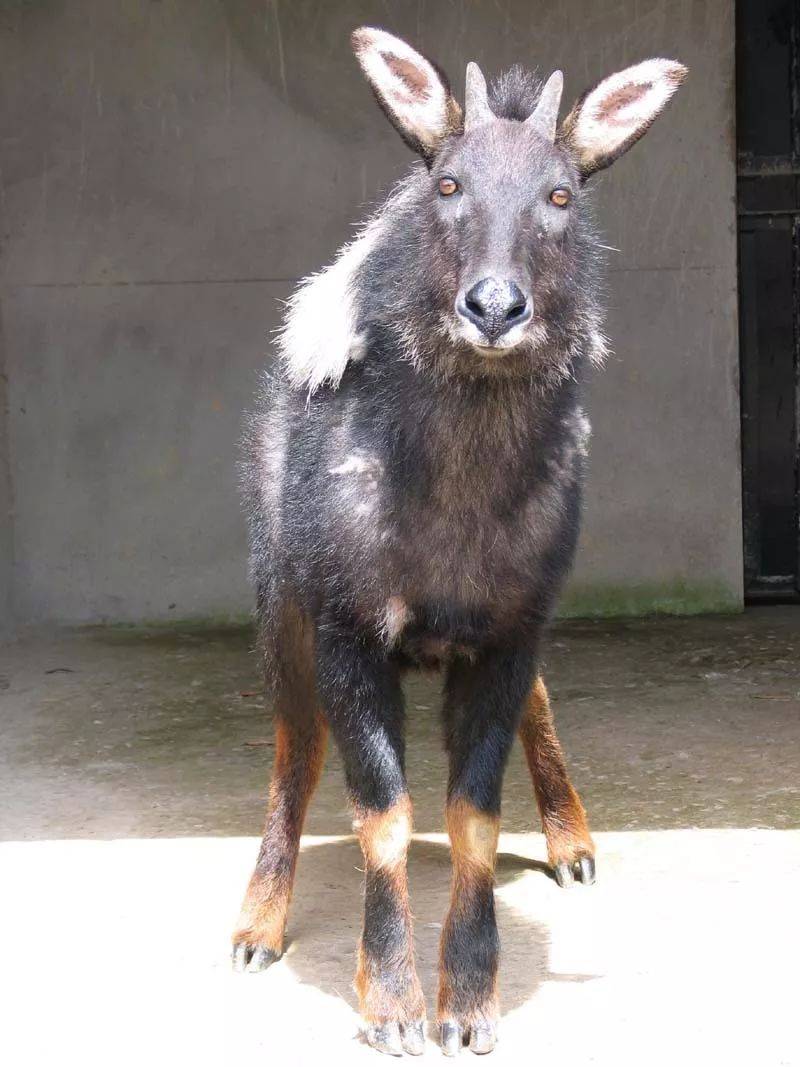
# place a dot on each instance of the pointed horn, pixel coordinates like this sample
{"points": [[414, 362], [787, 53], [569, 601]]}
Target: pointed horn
{"points": [[476, 104], [545, 114]]}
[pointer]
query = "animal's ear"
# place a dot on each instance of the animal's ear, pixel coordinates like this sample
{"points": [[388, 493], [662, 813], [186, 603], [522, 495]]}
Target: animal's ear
{"points": [[612, 116], [412, 91]]}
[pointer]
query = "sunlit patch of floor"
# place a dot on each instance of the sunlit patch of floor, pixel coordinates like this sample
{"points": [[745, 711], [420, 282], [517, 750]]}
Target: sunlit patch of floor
{"points": [[133, 760], [684, 952]]}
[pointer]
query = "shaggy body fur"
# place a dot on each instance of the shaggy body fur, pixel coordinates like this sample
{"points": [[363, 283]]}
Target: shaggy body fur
{"points": [[414, 499], [418, 434]]}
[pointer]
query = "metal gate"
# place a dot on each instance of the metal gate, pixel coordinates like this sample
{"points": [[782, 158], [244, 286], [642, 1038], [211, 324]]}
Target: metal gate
{"points": [[768, 142]]}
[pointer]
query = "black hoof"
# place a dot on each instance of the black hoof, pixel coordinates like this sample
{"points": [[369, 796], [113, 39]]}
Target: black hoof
{"points": [[585, 870], [582, 870], [250, 959], [563, 875], [451, 1038], [413, 1038], [385, 1038], [483, 1038]]}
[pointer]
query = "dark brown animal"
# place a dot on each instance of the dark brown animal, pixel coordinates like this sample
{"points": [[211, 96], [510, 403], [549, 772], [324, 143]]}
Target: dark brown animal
{"points": [[413, 474]]}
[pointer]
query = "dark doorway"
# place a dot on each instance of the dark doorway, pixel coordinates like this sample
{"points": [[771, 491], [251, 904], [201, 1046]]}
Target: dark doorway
{"points": [[768, 143]]}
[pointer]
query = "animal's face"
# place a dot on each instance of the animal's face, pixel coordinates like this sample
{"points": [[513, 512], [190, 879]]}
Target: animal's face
{"points": [[504, 199], [503, 204]]}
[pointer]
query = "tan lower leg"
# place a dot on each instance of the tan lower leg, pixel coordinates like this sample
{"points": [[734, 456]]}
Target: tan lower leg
{"points": [[563, 816], [386, 979], [469, 949], [299, 758]]}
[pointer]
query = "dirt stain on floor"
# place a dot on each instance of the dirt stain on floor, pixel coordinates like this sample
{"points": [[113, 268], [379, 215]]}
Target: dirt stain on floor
{"points": [[114, 732]]}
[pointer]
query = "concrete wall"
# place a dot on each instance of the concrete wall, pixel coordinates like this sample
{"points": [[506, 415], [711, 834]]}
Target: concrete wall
{"points": [[170, 168], [6, 513]]}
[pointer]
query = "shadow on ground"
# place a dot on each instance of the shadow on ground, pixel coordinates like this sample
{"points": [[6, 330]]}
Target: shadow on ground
{"points": [[325, 922]]}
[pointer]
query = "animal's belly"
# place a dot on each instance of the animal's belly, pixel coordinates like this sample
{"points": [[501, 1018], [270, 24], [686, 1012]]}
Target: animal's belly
{"points": [[432, 652], [434, 631]]}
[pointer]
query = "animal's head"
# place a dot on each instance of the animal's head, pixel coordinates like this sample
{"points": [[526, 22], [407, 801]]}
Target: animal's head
{"points": [[503, 199]]}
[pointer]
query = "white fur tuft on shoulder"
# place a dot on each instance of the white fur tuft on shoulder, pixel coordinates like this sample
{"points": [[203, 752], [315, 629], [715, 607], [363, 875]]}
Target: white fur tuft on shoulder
{"points": [[320, 333], [319, 336]]}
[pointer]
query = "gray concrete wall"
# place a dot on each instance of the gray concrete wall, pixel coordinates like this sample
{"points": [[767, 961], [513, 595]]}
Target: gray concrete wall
{"points": [[169, 169], [6, 513]]}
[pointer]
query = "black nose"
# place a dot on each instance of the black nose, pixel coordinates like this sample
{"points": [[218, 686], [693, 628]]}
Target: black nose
{"points": [[494, 306]]}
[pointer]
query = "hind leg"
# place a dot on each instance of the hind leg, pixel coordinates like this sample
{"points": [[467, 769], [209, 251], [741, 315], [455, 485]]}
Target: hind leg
{"points": [[570, 848], [300, 739]]}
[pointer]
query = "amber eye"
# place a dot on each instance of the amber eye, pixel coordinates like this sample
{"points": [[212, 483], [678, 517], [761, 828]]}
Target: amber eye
{"points": [[560, 197], [448, 186]]}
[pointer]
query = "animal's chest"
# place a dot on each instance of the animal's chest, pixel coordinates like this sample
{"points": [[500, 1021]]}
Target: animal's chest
{"points": [[441, 556]]}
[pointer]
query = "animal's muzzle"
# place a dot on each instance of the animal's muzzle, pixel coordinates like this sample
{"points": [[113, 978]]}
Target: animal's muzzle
{"points": [[494, 306]]}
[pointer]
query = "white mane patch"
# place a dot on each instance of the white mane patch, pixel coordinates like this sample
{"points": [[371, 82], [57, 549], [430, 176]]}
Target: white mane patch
{"points": [[320, 335]]}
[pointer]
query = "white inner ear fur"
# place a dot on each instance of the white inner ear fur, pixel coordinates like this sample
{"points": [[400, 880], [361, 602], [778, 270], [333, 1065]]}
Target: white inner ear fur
{"points": [[406, 83], [614, 111]]}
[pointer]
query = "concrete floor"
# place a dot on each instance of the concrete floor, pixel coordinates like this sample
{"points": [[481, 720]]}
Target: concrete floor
{"points": [[133, 770]]}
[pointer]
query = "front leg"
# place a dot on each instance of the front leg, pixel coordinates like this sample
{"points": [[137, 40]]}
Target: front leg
{"points": [[360, 692], [483, 703], [570, 848]]}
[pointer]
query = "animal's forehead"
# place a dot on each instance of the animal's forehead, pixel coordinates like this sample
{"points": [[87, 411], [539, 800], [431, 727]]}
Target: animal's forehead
{"points": [[505, 150]]}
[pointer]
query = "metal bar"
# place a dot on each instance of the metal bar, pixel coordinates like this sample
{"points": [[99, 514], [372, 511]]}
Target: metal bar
{"points": [[744, 214], [795, 118], [748, 392], [773, 180], [794, 81], [767, 167], [796, 324]]}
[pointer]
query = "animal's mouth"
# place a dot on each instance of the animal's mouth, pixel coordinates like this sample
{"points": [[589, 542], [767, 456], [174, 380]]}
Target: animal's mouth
{"points": [[493, 349], [532, 333]]}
